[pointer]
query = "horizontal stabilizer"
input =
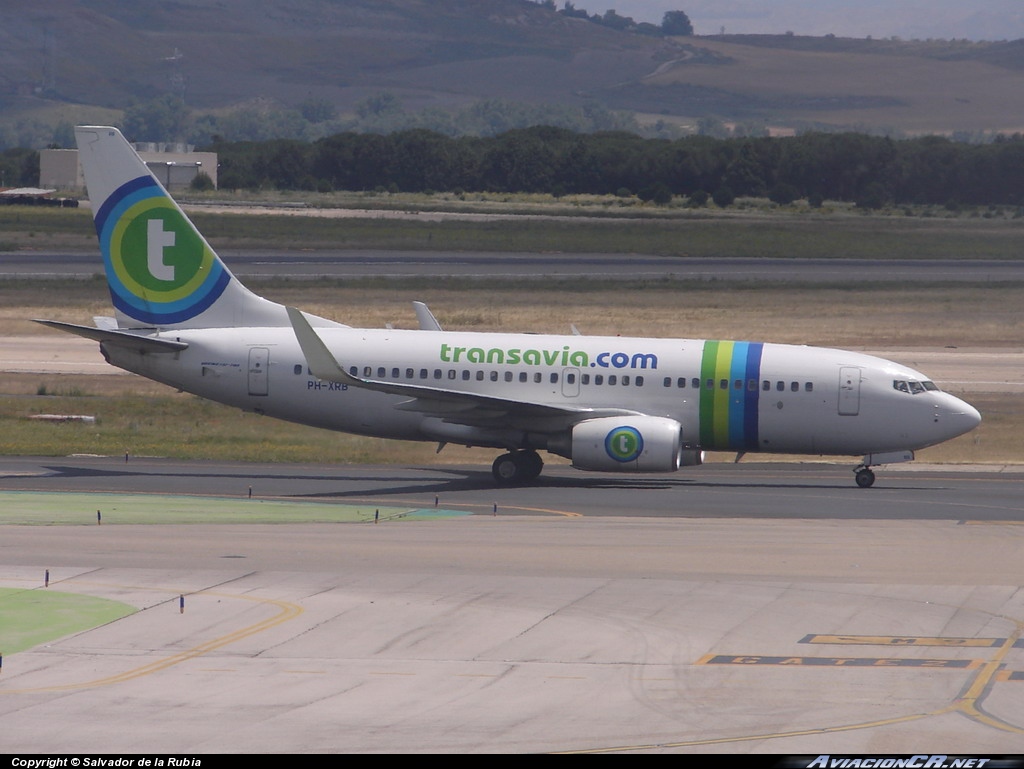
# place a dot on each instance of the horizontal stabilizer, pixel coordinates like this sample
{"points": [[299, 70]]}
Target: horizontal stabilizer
{"points": [[120, 338]]}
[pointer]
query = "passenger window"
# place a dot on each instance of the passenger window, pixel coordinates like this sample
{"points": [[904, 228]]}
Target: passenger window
{"points": [[381, 372], [522, 376], [598, 379], [612, 379], [353, 371], [667, 382], [437, 373], [394, 373], [794, 387], [465, 375], [423, 373], [554, 378], [537, 377], [752, 385], [367, 371], [639, 381], [410, 373], [681, 383], [625, 380], [780, 386], [766, 385], [695, 383], [480, 376], [494, 376], [298, 369], [508, 376], [585, 379], [723, 384], [808, 387], [451, 373], [570, 378]]}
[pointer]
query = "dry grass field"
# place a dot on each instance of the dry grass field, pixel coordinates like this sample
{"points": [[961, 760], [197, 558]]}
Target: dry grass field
{"points": [[911, 93], [873, 316]]}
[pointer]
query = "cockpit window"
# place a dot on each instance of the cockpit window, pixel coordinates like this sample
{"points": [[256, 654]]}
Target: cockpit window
{"points": [[913, 387]]}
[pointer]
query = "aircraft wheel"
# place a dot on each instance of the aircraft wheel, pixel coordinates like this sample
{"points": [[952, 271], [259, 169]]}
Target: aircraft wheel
{"points": [[507, 470], [865, 477], [531, 464]]}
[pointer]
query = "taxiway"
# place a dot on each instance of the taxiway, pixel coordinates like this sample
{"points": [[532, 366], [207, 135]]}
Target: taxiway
{"points": [[746, 609]]}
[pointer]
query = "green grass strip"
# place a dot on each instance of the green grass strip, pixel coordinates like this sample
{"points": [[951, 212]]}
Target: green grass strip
{"points": [[32, 617], [33, 508]]}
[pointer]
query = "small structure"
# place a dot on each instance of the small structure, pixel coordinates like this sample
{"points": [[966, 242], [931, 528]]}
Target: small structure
{"points": [[33, 196], [175, 165]]}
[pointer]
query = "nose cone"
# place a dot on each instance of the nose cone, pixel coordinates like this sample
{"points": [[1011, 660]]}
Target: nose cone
{"points": [[955, 417]]}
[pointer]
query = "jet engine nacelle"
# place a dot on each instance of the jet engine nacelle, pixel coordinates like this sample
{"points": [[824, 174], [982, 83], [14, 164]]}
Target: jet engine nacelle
{"points": [[627, 444]]}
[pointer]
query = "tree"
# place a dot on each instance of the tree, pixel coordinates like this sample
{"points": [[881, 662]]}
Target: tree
{"points": [[724, 197], [201, 183], [676, 23], [698, 199], [614, 20], [659, 194], [158, 120], [783, 194], [380, 105], [318, 110]]}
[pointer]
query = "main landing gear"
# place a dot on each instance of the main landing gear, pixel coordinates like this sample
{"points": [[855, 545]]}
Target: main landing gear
{"points": [[865, 477], [517, 467]]}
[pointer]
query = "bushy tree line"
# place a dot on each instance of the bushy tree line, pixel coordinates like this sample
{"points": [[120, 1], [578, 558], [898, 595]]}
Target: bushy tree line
{"points": [[871, 171], [19, 168], [673, 22], [167, 118]]}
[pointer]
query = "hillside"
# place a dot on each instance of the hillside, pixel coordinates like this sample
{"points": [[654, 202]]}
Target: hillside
{"points": [[59, 59], [434, 53]]}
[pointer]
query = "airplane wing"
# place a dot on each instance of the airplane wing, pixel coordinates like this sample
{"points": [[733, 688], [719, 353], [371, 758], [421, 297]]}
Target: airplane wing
{"points": [[121, 338], [450, 405]]}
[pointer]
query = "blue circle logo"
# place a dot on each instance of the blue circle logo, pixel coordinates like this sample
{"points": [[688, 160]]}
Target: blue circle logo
{"points": [[624, 444], [159, 269]]}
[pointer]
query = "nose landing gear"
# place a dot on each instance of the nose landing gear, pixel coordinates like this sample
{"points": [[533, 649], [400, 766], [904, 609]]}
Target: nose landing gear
{"points": [[865, 477], [863, 473]]}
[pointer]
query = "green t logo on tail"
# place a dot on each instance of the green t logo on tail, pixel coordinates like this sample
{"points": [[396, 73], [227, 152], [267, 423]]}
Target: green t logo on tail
{"points": [[159, 268]]}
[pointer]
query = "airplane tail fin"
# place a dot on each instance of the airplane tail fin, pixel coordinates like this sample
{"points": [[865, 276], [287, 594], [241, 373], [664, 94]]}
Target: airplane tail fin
{"points": [[160, 270]]}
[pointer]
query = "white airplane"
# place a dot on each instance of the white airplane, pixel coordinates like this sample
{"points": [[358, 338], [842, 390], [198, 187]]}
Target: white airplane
{"points": [[606, 403]]}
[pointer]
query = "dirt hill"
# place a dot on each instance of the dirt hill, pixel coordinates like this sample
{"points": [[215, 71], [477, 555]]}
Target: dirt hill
{"points": [[448, 53]]}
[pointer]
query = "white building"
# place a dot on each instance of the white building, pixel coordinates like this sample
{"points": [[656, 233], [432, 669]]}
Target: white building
{"points": [[175, 165]]}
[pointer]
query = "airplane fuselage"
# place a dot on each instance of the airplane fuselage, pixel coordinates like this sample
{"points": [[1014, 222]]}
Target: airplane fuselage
{"points": [[727, 396]]}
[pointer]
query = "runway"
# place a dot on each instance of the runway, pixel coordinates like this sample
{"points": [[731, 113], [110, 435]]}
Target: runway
{"points": [[752, 608], [526, 266]]}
